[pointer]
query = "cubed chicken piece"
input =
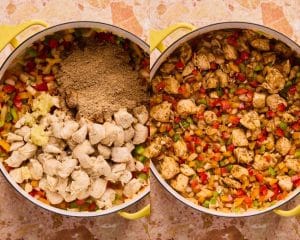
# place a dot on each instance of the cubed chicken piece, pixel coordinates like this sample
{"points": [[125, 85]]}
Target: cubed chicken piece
{"points": [[269, 142], [186, 170], [232, 183], [141, 113], [186, 107], [188, 69], [171, 85], [153, 150], [210, 117], [201, 61], [98, 187], [269, 57], [22, 154], [230, 52], [250, 120], [205, 193], [288, 118], [263, 162], [66, 167], [244, 155], [259, 100], [141, 133], [180, 148], [167, 67], [20, 174], [292, 163], [238, 171], [274, 80], [120, 154], [239, 138], [132, 187], [274, 100], [210, 81], [180, 183], [285, 182], [223, 77], [80, 182], [161, 112], [283, 146], [123, 118], [169, 168], [36, 169], [261, 44]]}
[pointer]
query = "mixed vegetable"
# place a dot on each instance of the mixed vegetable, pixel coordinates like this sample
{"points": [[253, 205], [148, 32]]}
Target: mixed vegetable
{"points": [[225, 126], [40, 160]]}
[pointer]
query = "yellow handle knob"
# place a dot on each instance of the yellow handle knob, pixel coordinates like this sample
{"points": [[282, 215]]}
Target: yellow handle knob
{"points": [[8, 33], [144, 212], [290, 213], [157, 36]]}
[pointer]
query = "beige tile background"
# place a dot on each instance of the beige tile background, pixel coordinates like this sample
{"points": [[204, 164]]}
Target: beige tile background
{"points": [[170, 219]]}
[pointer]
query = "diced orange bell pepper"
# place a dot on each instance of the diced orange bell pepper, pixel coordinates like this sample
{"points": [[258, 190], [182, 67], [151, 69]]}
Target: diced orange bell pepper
{"points": [[4, 145]]}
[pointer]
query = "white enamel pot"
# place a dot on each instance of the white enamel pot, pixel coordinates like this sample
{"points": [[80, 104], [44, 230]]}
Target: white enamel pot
{"points": [[7, 35], [156, 42]]}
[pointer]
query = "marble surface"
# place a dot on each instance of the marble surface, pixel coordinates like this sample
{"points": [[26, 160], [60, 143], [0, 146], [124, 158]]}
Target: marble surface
{"points": [[170, 219]]}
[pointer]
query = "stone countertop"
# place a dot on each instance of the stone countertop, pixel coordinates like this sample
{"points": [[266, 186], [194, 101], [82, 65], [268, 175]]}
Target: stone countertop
{"points": [[171, 219]]}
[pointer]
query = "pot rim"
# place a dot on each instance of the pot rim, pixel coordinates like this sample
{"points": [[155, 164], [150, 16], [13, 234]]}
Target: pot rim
{"points": [[27, 42], [162, 57]]}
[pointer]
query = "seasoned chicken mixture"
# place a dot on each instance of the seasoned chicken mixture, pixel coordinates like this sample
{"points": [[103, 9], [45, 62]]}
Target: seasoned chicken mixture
{"points": [[225, 127], [62, 158]]}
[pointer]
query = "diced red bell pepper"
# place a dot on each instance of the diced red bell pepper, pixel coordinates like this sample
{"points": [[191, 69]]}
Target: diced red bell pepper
{"points": [[244, 55], [242, 106], [238, 61], [230, 147], [92, 206], [234, 119], [241, 91], [259, 177], [213, 65], [195, 72], [250, 171], [240, 76], [297, 183], [248, 201], [200, 157], [177, 119], [232, 40], [225, 135], [181, 161], [270, 114], [240, 192], [196, 140], [202, 90], [215, 102], [275, 188], [190, 147], [170, 100], [145, 169], [216, 124], [53, 43], [225, 105], [205, 148], [203, 177], [263, 190], [194, 183], [223, 170], [29, 66], [17, 102], [254, 84], [200, 115], [281, 107], [80, 202], [42, 87], [296, 126], [279, 132], [182, 90], [8, 89], [293, 90], [179, 65], [160, 86]]}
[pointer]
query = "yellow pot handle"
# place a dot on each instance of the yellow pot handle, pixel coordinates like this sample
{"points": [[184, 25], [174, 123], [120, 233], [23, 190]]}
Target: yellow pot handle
{"points": [[144, 212], [157, 36], [8, 33], [290, 213]]}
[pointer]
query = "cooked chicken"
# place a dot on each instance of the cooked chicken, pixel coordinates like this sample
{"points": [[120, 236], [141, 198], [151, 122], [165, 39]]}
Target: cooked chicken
{"points": [[68, 129], [244, 155], [188, 69], [210, 117], [274, 80], [141, 133], [107, 199], [169, 167], [11, 137], [259, 100], [153, 150], [250, 120], [20, 174], [223, 77], [80, 135], [186, 170], [35, 169], [239, 138], [128, 134], [96, 133], [80, 182], [232, 183], [66, 167], [274, 100], [180, 148], [132, 187], [141, 114], [261, 44], [104, 151], [15, 146], [230, 52], [186, 107], [120, 154], [112, 134], [161, 112], [180, 183], [98, 187], [292, 163], [201, 61], [263, 162], [283, 146], [172, 85], [238, 172], [54, 197], [285, 182]]}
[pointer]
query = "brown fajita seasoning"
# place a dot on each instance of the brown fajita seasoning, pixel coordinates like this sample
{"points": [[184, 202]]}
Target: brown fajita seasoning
{"points": [[99, 80]]}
